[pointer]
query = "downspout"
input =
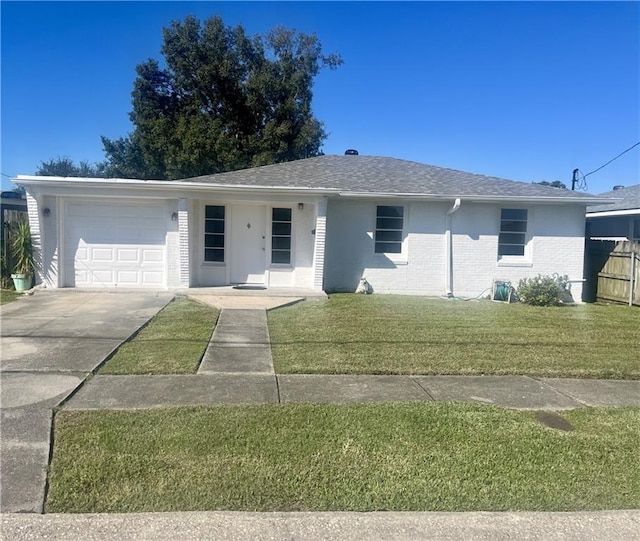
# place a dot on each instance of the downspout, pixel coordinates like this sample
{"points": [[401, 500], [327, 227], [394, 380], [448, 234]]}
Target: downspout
{"points": [[449, 241]]}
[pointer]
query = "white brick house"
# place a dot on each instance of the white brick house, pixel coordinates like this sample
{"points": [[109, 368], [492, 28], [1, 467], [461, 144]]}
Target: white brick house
{"points": [[318, 223]]}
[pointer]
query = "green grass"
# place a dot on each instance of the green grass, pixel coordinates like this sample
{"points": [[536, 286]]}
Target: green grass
{"points": [[8, 295], [386, 334], [349, 457], [172, 343]]}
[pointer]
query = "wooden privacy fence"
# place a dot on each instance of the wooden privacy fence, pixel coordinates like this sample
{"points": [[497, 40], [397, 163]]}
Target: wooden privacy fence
{"points": [[619, 279]]}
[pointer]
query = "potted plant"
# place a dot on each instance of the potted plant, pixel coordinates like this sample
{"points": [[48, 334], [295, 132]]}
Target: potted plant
{"points": [[24, 263]]}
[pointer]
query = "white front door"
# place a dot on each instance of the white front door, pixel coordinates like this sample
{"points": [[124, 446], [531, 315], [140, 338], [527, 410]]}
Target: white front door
{"points": [[248, 244]]}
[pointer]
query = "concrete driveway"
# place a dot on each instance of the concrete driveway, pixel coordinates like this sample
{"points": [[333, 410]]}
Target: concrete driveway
{"points": [[50, 343]]}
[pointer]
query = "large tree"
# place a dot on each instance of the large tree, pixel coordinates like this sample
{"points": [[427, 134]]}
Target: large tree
{"points": [[221, 101], [66, 167]]}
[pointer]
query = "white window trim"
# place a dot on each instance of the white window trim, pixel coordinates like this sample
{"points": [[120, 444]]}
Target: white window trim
{"points": [[525, 260], [281, 266], [201, 247], [398, 258]]}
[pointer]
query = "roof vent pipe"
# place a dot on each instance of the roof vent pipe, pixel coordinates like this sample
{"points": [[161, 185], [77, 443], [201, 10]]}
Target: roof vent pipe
{"points": [[618, 187], [351, 152]]}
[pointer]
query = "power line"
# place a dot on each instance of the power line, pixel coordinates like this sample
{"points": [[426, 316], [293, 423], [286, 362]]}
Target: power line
{"points": [[5, 175], [611, 160]]}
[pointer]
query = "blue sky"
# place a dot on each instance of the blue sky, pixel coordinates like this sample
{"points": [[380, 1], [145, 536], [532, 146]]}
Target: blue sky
{"points": [[521, 90]]}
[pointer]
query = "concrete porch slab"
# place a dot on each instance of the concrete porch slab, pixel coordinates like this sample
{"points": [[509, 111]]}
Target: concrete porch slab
{"points": [[330, 388], [241, 301], [598, 392], [518, 392]]}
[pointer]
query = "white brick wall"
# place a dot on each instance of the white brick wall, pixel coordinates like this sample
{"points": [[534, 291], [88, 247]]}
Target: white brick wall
{"points": [[556, 245], [33, 212], [320, 245], [183, 243]]}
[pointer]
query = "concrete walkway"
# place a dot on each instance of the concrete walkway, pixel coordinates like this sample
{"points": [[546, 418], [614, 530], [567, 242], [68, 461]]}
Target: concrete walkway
{"points": [[240, 344]]}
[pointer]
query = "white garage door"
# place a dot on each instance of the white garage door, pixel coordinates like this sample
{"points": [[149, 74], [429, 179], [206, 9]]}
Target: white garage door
{"points": [[114, 244]]}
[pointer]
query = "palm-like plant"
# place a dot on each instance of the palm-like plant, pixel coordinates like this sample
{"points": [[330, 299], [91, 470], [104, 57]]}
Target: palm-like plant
{"points": [[22, 249]]}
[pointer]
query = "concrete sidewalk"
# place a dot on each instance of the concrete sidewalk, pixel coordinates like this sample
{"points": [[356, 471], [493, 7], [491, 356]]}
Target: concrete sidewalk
{"points": [[518, 392], [381, 526]]}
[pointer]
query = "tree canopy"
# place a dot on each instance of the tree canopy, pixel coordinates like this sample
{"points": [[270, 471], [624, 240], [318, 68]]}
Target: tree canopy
{"points": [[66, 167], [555, 184], [221, 101]]}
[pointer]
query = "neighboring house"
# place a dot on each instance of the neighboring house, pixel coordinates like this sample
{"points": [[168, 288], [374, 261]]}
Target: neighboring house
{"points": [[608, 258], [318, 223], [619, 220], [13, 207]]}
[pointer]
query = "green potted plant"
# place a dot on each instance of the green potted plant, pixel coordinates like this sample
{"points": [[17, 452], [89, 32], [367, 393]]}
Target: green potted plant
{"points": [[24, 263]]}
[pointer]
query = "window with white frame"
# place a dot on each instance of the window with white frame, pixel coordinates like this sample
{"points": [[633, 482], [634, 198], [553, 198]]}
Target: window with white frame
{"points": [[214, 216], [281, 236], [389, 226], [513, 232]]}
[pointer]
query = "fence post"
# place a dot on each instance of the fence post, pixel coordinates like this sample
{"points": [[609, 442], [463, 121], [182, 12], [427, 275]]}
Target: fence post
{"points": [[632, 272]]}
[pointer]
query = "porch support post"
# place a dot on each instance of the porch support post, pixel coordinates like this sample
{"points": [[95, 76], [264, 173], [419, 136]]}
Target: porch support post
{"points": [[183, 241], [319, 245]]}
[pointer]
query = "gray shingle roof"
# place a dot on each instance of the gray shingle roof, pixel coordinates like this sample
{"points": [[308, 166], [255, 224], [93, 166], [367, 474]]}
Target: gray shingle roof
{"points": [[630, 200], [375, 174]]}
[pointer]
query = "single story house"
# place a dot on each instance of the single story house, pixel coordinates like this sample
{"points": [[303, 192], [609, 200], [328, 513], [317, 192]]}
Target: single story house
{"points": [[618, 220], [320, 223]]}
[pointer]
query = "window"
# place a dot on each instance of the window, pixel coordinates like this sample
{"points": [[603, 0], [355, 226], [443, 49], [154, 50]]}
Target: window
{"points": [[214, 233], [389, 224], [281, 236], [513, 232], [636, 229]]}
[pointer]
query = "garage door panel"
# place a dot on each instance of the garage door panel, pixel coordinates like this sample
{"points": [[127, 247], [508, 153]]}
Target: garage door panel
{"points": [[82, 254], [115, 244], [152, 277], [150, 255], [102, 255], [130, 255], [101, 277]]}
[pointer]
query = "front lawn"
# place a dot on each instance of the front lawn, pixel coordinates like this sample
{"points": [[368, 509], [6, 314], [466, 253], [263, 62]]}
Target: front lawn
{"points": [[172, 343], [347, 457], [387, 334]]}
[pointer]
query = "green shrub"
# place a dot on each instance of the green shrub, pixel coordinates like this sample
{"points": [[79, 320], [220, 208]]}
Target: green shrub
{"points": [[544, 290]]}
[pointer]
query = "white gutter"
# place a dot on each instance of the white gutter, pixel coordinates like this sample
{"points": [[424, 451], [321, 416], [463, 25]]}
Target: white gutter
{"points": [[168, 185], [605, 213], [449, 249], [478, 198]]}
